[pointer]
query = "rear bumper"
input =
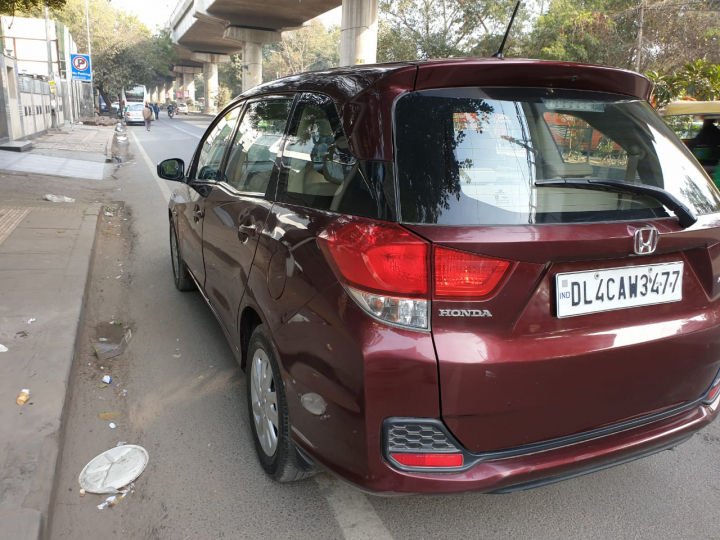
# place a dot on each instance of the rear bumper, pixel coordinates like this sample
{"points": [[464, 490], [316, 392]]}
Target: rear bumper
{"points": [[534, 469]]}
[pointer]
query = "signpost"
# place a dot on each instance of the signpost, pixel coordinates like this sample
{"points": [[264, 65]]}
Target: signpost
{"points": [[80, 67]]}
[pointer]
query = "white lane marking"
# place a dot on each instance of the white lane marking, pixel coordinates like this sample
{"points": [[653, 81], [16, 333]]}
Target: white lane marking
{"points": [[172, 125], [352, 510], [161, 183]]}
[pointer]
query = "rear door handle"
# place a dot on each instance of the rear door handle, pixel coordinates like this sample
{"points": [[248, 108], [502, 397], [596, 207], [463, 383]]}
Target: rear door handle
{"points": [[198, 214]]}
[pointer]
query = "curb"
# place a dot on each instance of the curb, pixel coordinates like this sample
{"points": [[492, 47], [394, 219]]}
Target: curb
{"points": [[30, 520], [87, 235]]}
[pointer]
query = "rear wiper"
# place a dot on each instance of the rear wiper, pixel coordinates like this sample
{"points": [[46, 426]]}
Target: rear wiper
{"points": [[684, 214]]}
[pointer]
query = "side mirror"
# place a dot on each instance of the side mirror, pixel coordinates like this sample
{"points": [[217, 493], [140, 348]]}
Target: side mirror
{"points": [[172, 169]]}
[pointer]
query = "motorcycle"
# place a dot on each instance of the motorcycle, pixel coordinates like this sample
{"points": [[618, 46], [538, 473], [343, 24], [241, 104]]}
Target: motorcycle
{"points": [[171, 111]]}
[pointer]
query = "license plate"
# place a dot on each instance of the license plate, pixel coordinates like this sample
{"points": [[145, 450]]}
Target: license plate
{"points": [[593, 291]]}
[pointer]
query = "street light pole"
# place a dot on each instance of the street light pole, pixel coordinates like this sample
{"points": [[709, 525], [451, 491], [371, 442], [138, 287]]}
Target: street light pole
{"points": [[87, 27]]}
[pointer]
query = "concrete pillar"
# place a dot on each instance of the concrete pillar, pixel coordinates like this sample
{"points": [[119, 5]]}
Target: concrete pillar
{"points": [[162, 97], [179, 88], [251, 40], [252, 65], [210, 74], [358, 32], [190, 87]]}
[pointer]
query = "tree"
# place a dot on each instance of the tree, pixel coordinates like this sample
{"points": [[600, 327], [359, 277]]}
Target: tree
{"points": [[310, 48], [15, 7], [223, 97], [586, 31], [124, 53], [230, 74], [647, 34], [412, 29]]}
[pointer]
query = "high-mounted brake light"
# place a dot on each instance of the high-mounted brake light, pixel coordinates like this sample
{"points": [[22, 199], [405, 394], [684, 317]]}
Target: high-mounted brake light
{"points": [[465, 275]]}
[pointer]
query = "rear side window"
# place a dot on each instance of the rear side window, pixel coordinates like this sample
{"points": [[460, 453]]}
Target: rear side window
{"points": [[257, 144], [472, 156], [320, 172]]}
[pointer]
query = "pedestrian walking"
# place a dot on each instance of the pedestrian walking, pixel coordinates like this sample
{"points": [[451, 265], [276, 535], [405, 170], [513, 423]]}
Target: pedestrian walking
{"points": [[156, 110], [147, 115]]}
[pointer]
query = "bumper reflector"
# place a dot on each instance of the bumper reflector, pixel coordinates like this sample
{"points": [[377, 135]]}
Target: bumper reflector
{"points": [[428, 460], [713, 393]]}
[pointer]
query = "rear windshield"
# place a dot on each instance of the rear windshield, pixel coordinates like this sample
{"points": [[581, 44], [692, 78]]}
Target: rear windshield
{"points": [[472, 156]]}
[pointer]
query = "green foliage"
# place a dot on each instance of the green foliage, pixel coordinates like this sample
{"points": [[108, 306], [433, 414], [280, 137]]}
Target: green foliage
{"points": [[230, 74], [124, 53], [697, 80], [223, 97], [26, 7], [608, 32], [586, 31], [310, 48], [412, 29]]}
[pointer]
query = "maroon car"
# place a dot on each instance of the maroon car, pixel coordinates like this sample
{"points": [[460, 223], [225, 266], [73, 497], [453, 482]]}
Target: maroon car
{"points": [[456, 275]]}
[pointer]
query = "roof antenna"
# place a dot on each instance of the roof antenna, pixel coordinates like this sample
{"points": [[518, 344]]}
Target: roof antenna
{"points": [[499, 53]]}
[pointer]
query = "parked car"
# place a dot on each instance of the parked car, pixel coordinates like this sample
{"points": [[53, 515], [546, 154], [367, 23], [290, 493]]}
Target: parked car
{"points": [[134, 113], [686, 118], [182, 108], [434, 286]]}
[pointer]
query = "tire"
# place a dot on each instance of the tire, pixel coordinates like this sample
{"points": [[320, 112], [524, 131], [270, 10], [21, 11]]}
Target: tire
{"points": [[268, 413], [181, 275]]}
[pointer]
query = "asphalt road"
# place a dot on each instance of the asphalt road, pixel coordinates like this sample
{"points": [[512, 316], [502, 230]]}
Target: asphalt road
{"points": [[185, 403]]}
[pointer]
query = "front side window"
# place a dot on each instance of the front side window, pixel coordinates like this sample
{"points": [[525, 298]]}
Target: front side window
{"points": [[214, 146], [257, 144], [472, 156]]}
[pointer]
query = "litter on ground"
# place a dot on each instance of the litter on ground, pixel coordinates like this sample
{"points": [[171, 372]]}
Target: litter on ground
{"points": [[58, 198], [23, 396], [114, 469]]}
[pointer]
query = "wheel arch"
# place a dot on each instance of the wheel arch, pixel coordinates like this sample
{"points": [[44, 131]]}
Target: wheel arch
{"points": [[249, 320]]}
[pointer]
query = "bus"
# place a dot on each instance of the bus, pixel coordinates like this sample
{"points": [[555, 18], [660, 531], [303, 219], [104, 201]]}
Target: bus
{"points": [[135, 94]]}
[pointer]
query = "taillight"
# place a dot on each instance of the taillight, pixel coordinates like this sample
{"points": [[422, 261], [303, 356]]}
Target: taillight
{"points": [[459, 274], [385, 268], [380, 257]]}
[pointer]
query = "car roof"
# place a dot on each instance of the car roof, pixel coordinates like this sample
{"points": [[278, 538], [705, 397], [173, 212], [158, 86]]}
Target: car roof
{"points": [[675, 108], [365, 94], [344, 83]]}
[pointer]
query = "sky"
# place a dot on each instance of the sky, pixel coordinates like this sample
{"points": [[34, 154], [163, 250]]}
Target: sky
{"points": [[155, 13]]}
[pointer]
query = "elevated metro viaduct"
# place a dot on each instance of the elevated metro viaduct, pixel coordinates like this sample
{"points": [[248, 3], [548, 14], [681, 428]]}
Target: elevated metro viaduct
{"points": [[206, 32]]}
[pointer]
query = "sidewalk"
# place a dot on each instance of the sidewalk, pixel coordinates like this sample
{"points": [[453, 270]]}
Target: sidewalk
{"points": [[74, 151], [45, 256]]}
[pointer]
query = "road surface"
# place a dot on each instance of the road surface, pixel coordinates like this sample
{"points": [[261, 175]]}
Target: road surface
{"points": [[178, 392]]}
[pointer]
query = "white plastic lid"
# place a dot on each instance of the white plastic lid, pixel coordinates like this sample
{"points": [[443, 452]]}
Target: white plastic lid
{"points": [[114, 469]]}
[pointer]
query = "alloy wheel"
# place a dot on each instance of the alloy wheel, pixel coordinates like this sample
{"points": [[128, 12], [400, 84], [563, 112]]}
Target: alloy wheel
{"points": [[264, 402]]}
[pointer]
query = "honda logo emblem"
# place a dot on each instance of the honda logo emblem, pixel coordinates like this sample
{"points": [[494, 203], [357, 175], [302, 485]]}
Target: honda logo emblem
{"points": [[646, 239]]}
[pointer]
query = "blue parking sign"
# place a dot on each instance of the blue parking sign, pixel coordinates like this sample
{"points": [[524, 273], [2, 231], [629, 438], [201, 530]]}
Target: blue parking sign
{"points": [[80, 67]]}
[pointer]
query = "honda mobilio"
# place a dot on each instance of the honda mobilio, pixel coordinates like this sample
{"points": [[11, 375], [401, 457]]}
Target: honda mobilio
{"points": [[458, 274]]}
